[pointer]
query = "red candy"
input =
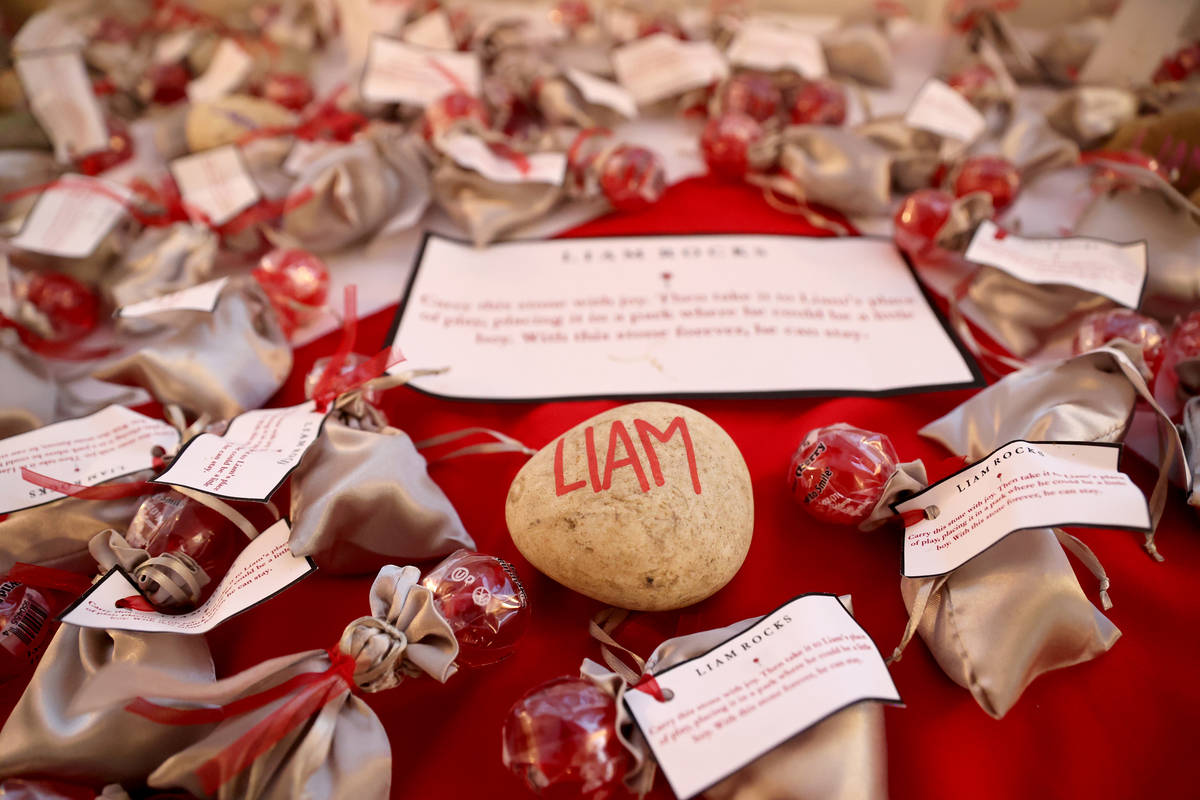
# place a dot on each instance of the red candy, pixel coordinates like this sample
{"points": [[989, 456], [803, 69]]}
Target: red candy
{"points": [[571, 14], [288, 89], [449, 110], [561, 740], [297, 282], [1184, 346], [839, 471], [24, 613], [819, 103], [168, 83], [726, 142], [484, 602], [632, 178], [120, 149], [1102, 327], [992, 174], [1179, 65], [752, 94], [70, 307], [972, 81], [171, 523], [920, 217]]}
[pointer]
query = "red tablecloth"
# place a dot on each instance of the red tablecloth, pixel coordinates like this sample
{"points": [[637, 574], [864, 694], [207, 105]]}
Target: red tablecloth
{"points": [[1120, 726]]}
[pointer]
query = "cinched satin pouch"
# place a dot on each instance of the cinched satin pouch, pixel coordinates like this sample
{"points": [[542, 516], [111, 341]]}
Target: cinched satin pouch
{"points": [[1088, 114], [363, 498], [161, 261], [843, 757], [916, 155], [45, 735], [354, 191], [838, 168], [219, 363], [489, 209], [334, 747], [861, 52]]}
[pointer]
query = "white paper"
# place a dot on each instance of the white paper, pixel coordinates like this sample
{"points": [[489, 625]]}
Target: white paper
{"points": [[251, 460], [765, 46], [53, 28], [215, 183], [174, 47], [109, 444], [400, 73], [661, 66], [304, 153], [60, 95], [940, 109], [8, 304], [473, 153], [1137, 38], [202, 297], [228, 70], [432, 31], [784, 674], [603, 93], [1117, 271], [73, 216], [1019, 486], [264, 568], [673, 315]]}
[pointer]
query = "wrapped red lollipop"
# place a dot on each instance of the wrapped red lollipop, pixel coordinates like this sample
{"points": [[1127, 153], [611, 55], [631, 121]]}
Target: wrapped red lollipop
{"points": [[30, 599], [66, 310], [973, 82], [166, 83], [751, 93], [484, 602], [839, 472], [726, 143], [1183, 353], [919, 218], [297, 282], [821, 102], [630, 177], [1102, 327], [992, 174], [288, 89], [190, 548], [450, 110], [561, 740]]}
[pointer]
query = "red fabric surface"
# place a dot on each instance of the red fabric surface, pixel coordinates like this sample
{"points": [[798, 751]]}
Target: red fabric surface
{"points": [[1119, 726]]}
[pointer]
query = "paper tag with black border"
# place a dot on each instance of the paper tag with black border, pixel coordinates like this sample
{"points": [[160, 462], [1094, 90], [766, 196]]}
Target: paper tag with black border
{"points": [[254, 457], [1019, 486], [264, 568], [396, 72], [660, 66], [674, 316], [72, 216], [112, 443], [708, 717], [1113, 269], [769, 46]]}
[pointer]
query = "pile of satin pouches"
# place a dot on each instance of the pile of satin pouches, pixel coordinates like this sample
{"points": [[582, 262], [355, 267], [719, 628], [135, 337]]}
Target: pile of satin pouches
{"points": [[337, 168]]}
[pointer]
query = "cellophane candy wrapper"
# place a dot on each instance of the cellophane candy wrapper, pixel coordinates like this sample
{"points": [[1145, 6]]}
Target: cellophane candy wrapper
{"points": [[297, 282], [561, 739], [1102, 327], [484, 602], [324, 739], [27, 614], [839, 472], [1182, 358], [219, 363], [631, 178]]}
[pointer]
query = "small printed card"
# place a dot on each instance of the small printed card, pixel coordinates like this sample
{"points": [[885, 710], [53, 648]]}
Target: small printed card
{"points": [[785, 673], [258, 451], [263, 569], [473, 153], [402, 73], [1019, 486], [600, 92], [768, 46], [111, 443], [1117, 271], [202, 297], [60, 95], [661, 66], [72, 216], [674, 316], [215, 184], [228, 70], [431, 31], [941, 110]]}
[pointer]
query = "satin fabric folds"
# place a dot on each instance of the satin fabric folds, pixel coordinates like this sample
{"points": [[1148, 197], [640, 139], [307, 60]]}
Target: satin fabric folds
{"points": [[339, 752], [843, 757]]}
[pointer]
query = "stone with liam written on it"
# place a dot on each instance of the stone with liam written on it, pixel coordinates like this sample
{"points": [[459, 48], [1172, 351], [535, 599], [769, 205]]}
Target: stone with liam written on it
{"points": [[646, 507]]}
